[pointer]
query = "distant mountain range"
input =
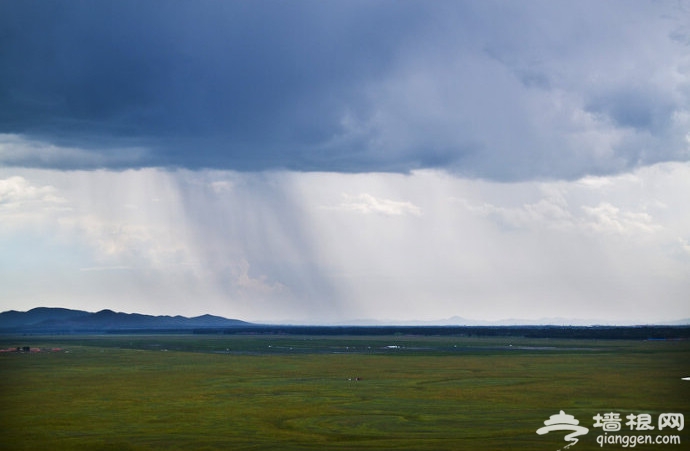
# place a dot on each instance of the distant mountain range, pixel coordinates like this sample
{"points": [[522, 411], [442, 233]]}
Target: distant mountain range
{"points": [[61, 320], [555, 321], [459, 321], [48, 319]]}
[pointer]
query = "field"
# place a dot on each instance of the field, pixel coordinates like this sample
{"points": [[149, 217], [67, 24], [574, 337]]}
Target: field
{"points": [[274, 392]]}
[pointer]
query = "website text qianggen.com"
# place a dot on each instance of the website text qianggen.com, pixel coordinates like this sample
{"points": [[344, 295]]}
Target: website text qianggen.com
{"points": [[633, 440]]}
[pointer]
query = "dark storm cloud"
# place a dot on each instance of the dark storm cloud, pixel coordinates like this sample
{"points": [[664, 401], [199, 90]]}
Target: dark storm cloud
{"points": [[634, 108], [336, 86]]}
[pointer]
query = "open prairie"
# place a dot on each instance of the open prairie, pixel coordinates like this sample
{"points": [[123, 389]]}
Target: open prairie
{"points": [[252, 392]]}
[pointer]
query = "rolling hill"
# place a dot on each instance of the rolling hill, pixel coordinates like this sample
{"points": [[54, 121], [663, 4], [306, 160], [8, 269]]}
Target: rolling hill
{"points": [[49, 319]]}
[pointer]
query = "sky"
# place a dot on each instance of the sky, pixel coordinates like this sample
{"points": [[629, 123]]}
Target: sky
{"points": [[335, 162]]}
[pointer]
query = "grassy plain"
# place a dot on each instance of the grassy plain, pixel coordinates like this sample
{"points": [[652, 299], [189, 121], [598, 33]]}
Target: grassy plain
{"points": [[187, 392]]}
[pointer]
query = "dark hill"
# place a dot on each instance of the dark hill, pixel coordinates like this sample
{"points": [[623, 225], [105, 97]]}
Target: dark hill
{"points": [[37, 315], [56, 320]]}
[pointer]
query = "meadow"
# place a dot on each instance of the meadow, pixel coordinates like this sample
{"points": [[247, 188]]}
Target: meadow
{"points": [[281, 392]]}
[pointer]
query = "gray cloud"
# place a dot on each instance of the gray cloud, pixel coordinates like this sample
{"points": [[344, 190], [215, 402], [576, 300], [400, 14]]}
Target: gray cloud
{"points": [[636, 109], [499, 90]]}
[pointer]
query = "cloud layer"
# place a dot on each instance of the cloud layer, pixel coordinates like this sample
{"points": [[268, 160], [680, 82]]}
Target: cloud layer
{"points": [[504, 91], [328, 161], [327, 247]]}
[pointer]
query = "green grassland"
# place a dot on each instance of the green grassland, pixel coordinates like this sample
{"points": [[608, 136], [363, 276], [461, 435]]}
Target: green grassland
{"points": [[246, 392]]}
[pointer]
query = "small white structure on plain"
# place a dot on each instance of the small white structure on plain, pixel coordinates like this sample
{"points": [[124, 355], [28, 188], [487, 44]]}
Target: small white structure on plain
{"points": [[686, 378]]}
